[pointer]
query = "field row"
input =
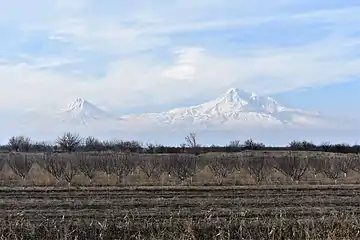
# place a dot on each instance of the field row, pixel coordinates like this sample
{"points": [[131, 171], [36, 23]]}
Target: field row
{"points": [[180, 212], [176, 169], [159, 203]]}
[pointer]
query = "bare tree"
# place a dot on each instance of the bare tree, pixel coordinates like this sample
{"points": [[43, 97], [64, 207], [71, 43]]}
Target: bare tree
{"points": [[183, 167], [152, 148], [55, 165], [234, 145], [355, 158], [88, 165], [26, 144], [106, 163], [346, 164], [150, 165], [20, 144], [20, 164], [124, 164], [183, 147], [326, 146], [93, 144], [222, 166], [257, 167], [332, 168], [69, 141], [70, 165], [301, 145], [292, 165], [251, 145], [316, 164], [191, 142], [14, 143]]}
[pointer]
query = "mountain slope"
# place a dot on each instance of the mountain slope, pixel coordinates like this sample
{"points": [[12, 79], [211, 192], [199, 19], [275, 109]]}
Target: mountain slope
{"points": [[232, 109], [83, 112]]}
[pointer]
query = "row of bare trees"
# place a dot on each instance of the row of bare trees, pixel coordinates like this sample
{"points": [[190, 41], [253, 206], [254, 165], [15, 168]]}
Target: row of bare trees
{"points": [[64, 166], [71, 142]]}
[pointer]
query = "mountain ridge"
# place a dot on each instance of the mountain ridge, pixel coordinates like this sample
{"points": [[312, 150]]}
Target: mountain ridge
{"points": [[235, 107]]}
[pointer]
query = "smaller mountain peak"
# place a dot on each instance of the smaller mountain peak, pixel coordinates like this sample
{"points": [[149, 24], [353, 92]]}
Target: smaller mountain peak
{"points": [[232, 90], [78, 103], [83, 111], [79, 100], [240, 92], [236, 95]]}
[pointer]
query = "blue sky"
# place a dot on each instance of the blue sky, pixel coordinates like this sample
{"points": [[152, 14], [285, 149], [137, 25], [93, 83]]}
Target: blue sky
{"points": [[150, 55]]}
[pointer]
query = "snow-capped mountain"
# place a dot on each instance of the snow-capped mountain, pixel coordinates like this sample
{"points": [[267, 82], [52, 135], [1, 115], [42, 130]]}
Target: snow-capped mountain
{"points": [[81, 111], [233, 114], [232, 109]]}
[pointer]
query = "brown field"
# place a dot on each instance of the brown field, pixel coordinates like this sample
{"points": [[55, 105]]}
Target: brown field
{"points": [[299, 212], [323, 204]]}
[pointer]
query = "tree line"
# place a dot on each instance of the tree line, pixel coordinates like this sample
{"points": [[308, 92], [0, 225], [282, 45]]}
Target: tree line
{"points": [[65, 166], [73, 142]]}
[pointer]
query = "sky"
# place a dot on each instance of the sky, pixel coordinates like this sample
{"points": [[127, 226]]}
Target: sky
{"points": [[150, 55]]}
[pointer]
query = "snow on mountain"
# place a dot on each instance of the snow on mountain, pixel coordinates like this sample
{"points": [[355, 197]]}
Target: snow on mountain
{"points": [[81, 111], [233, 108]]}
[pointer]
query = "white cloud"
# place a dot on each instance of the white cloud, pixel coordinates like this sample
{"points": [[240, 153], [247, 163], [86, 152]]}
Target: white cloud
{"points": [[154, 77], [195, 71], [186, 65]]}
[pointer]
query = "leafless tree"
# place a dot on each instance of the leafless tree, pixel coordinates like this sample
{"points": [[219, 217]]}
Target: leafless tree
{"points": [[150, 165], [106, 163], [235, 144], [124, 164], [182, 166], [332, 168], [316, 164], [166, 164], [14, 143], [88, 165], [258, 167], [192, 144], [55, 165], [326, 146], [93, 144], [26, 144], [355, 158], [240, 162], [152, 148], [222, 166], [20, 143], [191, 140], [346, 164], [69, 141], [251, 145], [70, 167], [20, 164], [301, 145], [292, 165]]}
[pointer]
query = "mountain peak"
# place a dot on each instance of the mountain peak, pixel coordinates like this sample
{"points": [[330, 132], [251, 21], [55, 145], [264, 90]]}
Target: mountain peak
{"points": [[238, 91], [78, 103], [82, 111], [235, 96]]}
